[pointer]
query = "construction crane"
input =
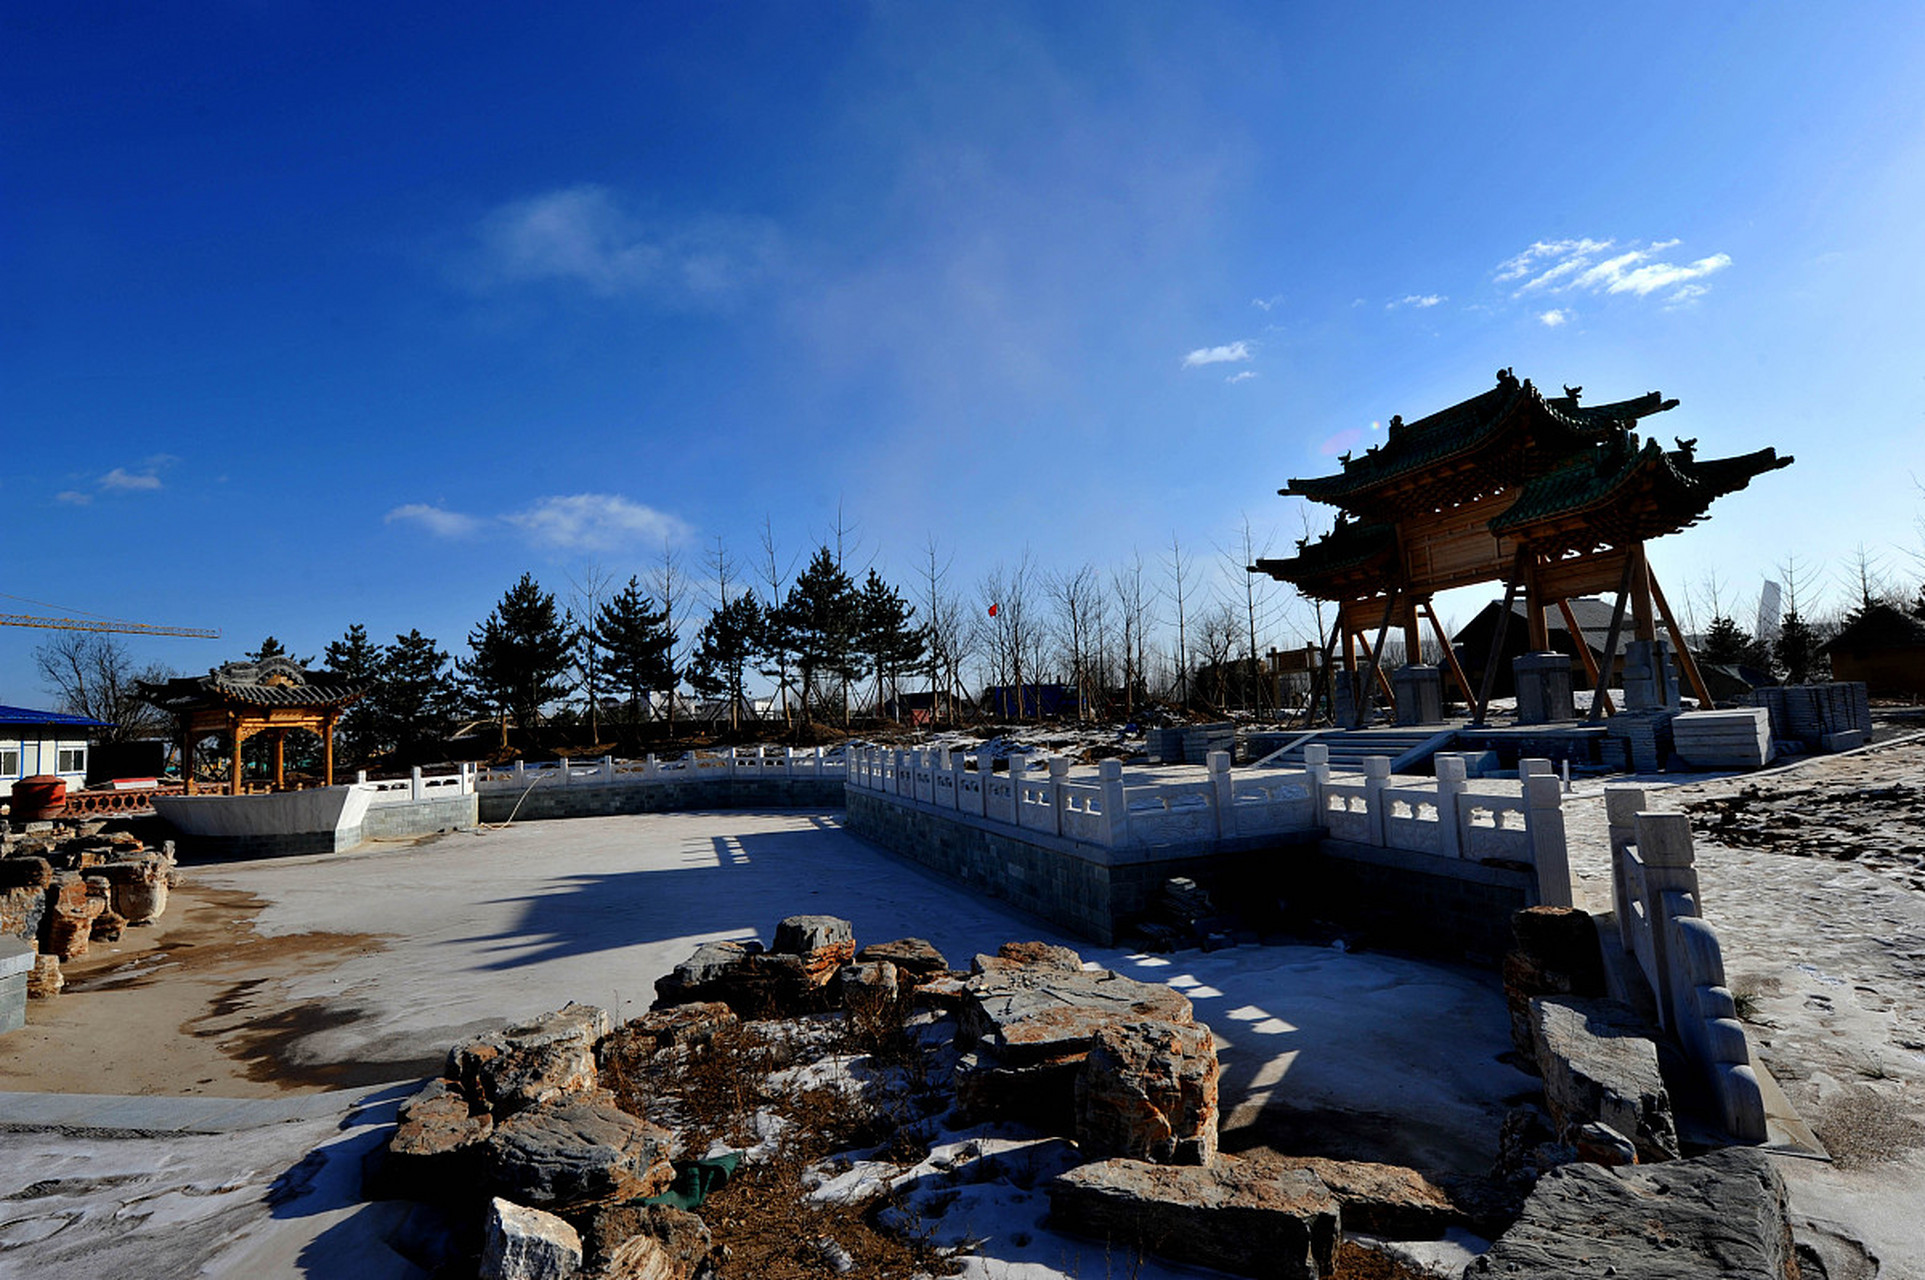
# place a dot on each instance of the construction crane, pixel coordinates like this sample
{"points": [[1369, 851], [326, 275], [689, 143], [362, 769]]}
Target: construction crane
{"points": [[103, 624]]}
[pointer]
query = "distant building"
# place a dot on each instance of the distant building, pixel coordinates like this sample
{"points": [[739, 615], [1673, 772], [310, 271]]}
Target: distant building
{"points": [[1473, 639], [44, 742], [1885, 647]]}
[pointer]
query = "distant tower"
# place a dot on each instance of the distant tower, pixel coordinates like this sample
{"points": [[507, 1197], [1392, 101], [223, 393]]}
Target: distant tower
{"points": [[1767, 628]]}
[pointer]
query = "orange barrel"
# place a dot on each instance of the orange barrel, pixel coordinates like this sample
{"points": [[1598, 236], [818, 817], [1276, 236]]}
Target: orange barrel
{"points": [[38, 798]]}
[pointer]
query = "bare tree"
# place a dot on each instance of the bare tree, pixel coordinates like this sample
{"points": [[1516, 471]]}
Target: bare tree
{"points": [[1136, 615], [1076, 598], [1011, 632], [93, 675], [1217, 636], [722, 572], [590, 586], [671, 590], [1255, 592], [1178, 565], [948, 641], [775, 638]]}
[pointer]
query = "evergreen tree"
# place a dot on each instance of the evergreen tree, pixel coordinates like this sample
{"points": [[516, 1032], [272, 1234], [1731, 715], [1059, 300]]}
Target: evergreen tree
{"points": [[417, 699], [819, 619], [356, 660], [633, 635], [1727, 644], [885, 632], [522, 655], [1795, 652], [272, 648], [724, 647]]}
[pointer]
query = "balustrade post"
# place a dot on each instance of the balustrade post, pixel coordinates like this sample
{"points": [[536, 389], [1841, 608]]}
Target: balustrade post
{"points": [[1058, 779], [1116, 809], [1621, 808], [1544, 823], [649, 766], [1376, 778], [520, 769], [360, 777], [1664, 846], [953, 762], [414, 783], [1018, 770], [1451, 785], [1222, 796], [902, 772], [608, 768], [1316, 769], [567, 770]]}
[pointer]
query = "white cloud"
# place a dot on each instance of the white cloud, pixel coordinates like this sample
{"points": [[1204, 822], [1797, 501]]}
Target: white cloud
{"points": [[1553, 318], [1422, 301], [583, 236], [122, 479], [1230, 354], [595, 522], [74, 497], [1243, 376], [1566, 266], [439, 521], [1267, 304]]}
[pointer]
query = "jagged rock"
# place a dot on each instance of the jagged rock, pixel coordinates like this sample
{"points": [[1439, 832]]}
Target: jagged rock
{"points": [[528, 1244], [1039, 1094], [516, 1067], [1527, 1147], [1382, 1199], [1029, 954], [1030, 1012], [140, 886], [1598, 1065], [1598, 1143], [1148, 1090], [644, 1242], [573, 1152], [1713, 1217], [756, 983], [70, 916], [23, 896], [435, 1150], [107, 926], [914, 957], [1253, 1217], [1557, 954], [676, 1027], [876, 982], [804, 935], [45, 980], [943, 991]]}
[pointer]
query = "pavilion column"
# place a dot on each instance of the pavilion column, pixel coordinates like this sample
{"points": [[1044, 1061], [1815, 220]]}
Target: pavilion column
{"points": [[234, 733], [1644, 625], [187, 760], [1537, 628], [327, 747], [280, 759], [1413, 636]]}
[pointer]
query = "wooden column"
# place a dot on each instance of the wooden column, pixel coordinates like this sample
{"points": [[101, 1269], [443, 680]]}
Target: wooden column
{"points": [[187, 761], [327, 748], [1413, 636], [280, 759], [234, 733], [1537, 628], [1644, 624], [1583, 651]]}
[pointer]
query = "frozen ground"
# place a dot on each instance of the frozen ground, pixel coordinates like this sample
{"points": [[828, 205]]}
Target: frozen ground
{"points": [[1323, 1051]]}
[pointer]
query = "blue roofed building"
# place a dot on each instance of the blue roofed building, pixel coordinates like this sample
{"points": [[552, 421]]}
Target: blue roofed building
{"points": [[44, 742]]}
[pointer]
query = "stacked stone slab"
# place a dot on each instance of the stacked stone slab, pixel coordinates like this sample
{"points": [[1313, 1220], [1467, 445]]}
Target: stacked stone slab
{"points": [[1835, 716], [1736, 739], [1199, 740], [1163, 746], [16, 966]]}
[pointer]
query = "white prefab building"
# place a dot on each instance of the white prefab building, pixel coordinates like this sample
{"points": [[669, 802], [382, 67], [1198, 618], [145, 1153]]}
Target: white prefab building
{"points": [[36, 742]]}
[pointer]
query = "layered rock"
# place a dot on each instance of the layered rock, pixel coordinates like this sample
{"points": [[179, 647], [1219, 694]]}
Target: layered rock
{"points": [[791, 978], [71, 909], [1252, 1217], [573, 1151], [681, 1026], [435, 1150], [915, 958], [1713, 1217], [516, 1067], [1148, 1090], [644, 1242], [1383, 1199], [1600, 1067], [528, 1244], [45, 980], [1556, 954]]}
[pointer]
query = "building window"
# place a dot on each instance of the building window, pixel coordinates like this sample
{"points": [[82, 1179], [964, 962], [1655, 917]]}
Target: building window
{"points": [[9, 762], [73, 760]]}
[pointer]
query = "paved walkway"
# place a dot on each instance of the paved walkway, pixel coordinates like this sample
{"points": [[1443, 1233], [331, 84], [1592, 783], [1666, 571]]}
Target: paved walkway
{"points": [[116, 1114]]}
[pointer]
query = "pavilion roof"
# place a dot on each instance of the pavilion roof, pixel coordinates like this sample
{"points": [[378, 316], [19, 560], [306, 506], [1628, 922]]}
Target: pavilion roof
{"points": [[275, 682], [1350, 555], [1499, 438]]}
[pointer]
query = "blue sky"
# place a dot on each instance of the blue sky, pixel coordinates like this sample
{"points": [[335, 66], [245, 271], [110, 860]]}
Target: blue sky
{"points": [[311, 316]]}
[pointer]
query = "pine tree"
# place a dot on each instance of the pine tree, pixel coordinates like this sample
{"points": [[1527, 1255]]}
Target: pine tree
{"points": [[633, 635], [1796, 651], [819, 618], [522, 654], [1727, 644], [357, 661], [417, 699], [885, 632], [724, 647]]}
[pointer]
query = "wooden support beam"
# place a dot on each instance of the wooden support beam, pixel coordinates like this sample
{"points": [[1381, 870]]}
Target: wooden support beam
{"points": [[280, 760], [1686, 658], [1584, 652], [1611, 639], [1450, 656], [1376, 660], [1488, 683], [234, 732], [1643, 626]]}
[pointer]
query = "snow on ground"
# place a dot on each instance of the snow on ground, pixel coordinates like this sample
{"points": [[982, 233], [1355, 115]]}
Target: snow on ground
{"points": [[1373, 1055]]}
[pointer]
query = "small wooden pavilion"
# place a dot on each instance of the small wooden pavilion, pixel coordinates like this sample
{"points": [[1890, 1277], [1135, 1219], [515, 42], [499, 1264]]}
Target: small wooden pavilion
{"points": [[1552, 498], [242, 699]]}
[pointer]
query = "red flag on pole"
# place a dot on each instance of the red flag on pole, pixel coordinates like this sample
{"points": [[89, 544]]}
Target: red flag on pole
{"points": [[992, 610]]}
